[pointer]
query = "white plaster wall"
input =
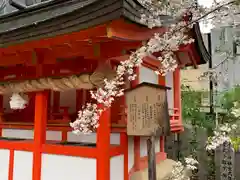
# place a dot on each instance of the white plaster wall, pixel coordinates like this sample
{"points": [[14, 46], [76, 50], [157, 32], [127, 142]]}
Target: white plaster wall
{"points": [[170, 94], [18, 133], [117, 168], [114, 139], [4, 164], [57, 136], [67, 167], [147, 75], [29, 134], [54, 135], [68, 98], [143, 146], [130, 153], [22, 165]]}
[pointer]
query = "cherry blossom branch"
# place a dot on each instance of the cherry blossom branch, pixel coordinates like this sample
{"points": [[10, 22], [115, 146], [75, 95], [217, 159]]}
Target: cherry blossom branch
{"points": [[166, 43]]}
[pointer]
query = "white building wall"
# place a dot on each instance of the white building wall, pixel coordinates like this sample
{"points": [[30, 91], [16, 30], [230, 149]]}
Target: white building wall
{"points": [[148, 75], [4, 163], [114, 139], [54, 135], [67, 167], [117, 168], [57, 136], [29, 134], [22, 165], [18, 133], [224, 38]]}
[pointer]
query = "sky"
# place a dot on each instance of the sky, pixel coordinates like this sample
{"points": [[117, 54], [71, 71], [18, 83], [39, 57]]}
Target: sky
{"points": [[207, 3]]}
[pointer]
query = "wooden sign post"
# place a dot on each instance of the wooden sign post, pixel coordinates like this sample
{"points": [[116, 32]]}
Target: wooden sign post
{"points": [[152, 174], [147, 115]]}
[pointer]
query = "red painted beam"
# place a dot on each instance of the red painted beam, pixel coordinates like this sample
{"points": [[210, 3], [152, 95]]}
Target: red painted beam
{"points": [[97, 31], [122, 30], [65, 68]]}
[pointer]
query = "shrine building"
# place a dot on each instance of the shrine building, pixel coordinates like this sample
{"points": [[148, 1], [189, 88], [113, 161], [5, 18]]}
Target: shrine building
{"points": [[63, 49]]}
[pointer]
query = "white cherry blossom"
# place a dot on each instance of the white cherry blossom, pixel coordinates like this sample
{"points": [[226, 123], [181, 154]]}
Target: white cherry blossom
{"points": [[181, 15]]}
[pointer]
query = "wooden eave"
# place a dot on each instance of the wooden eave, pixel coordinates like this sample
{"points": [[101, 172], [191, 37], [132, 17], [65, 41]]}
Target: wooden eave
{"points": [[199, 45], [60, 18]]}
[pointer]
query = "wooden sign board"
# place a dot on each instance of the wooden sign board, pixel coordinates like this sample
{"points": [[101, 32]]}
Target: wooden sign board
{"points": [[147, 110]]}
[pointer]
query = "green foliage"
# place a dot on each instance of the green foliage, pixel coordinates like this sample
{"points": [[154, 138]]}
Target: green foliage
{"points": [[191, 108], [229, 97], [227, 102], [235, 142]]}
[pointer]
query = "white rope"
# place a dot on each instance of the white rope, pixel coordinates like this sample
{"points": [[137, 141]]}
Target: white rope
{"points": [[84, 81]]}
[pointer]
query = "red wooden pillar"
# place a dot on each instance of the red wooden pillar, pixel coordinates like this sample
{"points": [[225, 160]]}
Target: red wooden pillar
{"points": [[103, 146], [162, 144], [177, 92], [40, 122], [124, 145], [1, 112], [1, 103], [11, 165]]}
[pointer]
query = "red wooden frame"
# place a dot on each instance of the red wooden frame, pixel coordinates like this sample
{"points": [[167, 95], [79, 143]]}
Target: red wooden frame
{"points": [[39, 146], [103, 152]]}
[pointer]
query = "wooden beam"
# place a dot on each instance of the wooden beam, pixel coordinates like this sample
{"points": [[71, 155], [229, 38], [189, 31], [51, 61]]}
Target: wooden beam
{"points": [[68, 50], [151, 62], [107, 49], [64, 68], [12, 59]]}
